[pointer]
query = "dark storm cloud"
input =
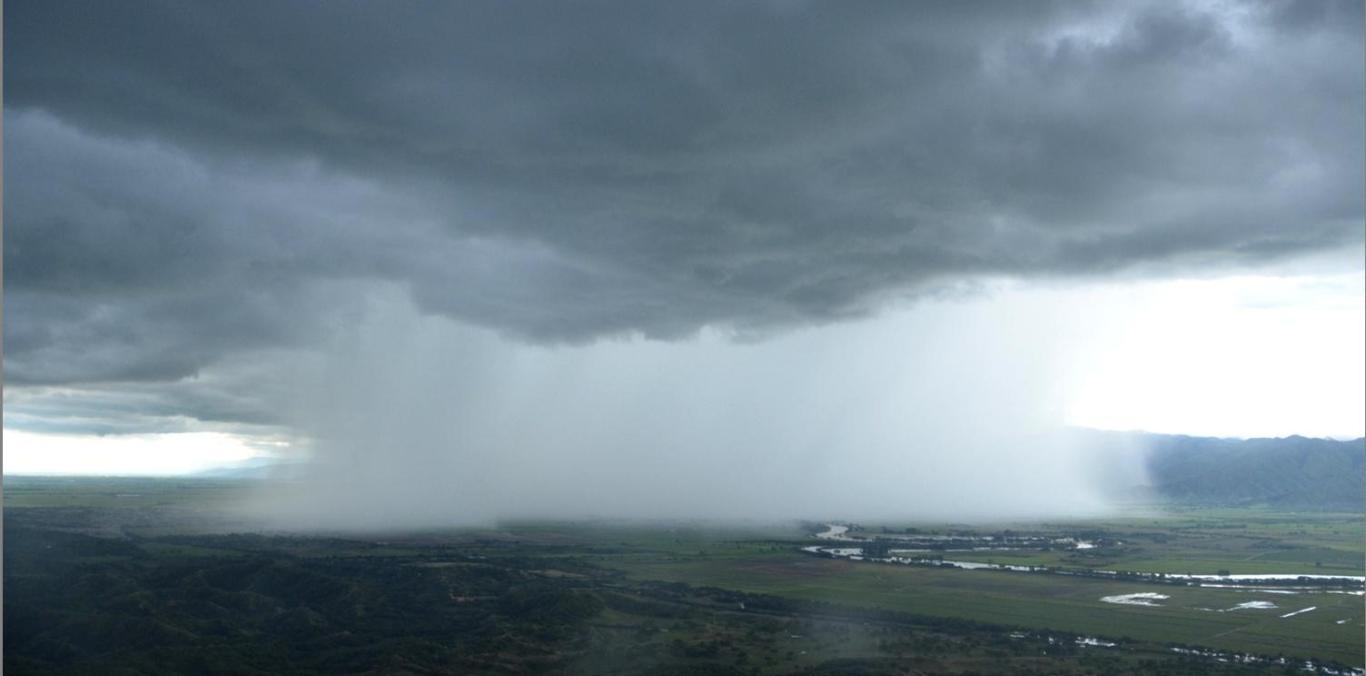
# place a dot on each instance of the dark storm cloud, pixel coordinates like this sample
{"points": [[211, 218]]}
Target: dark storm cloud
{"points": [[186, 181]]}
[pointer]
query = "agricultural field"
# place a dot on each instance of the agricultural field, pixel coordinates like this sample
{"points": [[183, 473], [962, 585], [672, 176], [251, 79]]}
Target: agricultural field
{"points": [[1192, 615], [1205, 541]]}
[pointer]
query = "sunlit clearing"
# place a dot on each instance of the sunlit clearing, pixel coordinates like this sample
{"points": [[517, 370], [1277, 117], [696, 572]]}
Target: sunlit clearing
{"points": [[1236, 357], [129, 455]]}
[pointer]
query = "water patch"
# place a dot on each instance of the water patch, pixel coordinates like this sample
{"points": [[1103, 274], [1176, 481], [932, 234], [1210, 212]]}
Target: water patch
{"points": [[1249, 582], [1252, 605], [1095, 642], [1244, 588], [1136, 599], [833, 532], [1242, 577], [1297, 612], [857, 554], [974, 565]]}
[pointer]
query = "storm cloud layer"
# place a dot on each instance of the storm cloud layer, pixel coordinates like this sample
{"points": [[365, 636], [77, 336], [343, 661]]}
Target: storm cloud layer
{"points": [[201, 197], [565, 173]]}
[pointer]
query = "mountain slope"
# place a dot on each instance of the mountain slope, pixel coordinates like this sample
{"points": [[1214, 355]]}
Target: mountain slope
{"points": [[1292, 472]]}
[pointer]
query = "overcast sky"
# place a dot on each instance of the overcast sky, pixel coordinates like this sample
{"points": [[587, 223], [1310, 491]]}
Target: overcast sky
{"points": [[1124, 211]]}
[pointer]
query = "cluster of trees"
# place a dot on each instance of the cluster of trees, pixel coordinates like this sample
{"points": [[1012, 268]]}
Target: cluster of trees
{"points": [[79, 604]]}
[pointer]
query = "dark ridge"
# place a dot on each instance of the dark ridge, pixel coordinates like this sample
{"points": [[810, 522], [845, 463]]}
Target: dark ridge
{"points": [[1290, 472]]}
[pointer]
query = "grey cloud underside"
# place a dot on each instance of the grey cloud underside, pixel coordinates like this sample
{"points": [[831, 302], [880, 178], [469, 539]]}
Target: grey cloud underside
{"points": [[188, 181]]}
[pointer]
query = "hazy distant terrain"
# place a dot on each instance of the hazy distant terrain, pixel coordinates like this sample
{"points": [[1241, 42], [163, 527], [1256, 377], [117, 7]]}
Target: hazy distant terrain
{"points": [[1292, 472]]}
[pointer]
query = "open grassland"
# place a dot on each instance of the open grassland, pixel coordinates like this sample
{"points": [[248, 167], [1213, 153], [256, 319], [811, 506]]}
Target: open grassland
{"points": [[1199, 541], [1037, 601], [122, 492]]}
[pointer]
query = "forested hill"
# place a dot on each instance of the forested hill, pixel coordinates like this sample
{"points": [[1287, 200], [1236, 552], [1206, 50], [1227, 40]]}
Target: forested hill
{"points": [[1292, 472]]}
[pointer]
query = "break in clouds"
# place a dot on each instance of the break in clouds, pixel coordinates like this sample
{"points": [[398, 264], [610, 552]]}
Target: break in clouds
{"points": [[637, 258]]}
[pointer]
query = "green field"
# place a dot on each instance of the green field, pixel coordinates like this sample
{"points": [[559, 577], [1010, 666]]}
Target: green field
{"points": [[1039, 601], [1205, 541], [1247, 541]]}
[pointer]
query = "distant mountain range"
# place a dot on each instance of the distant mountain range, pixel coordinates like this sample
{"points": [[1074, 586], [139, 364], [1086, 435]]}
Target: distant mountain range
{"points": [[1292, 472], [254, 468]]}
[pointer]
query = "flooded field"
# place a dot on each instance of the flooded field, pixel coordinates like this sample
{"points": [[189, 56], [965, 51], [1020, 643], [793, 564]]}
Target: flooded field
{"points": [[1136, 599]]}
